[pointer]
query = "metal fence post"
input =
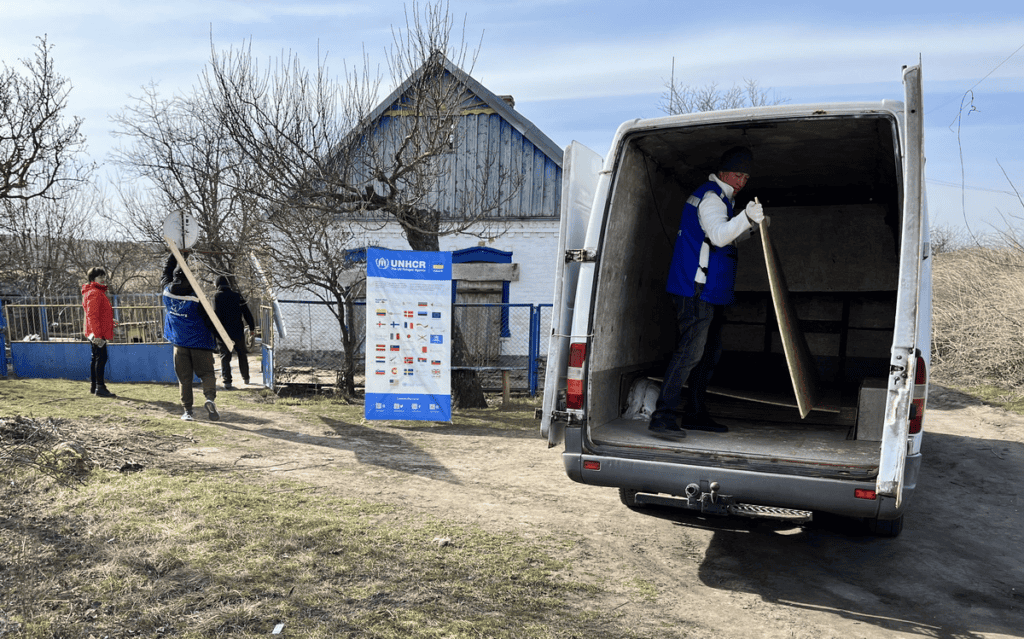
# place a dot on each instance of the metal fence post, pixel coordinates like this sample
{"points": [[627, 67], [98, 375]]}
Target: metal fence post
{"points": [[3, 341], [534, 340]]}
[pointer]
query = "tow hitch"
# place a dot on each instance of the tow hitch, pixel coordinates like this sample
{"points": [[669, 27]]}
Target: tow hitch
{"points": [[713, 502]]}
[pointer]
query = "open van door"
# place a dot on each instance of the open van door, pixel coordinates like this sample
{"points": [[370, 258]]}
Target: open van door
{"points": [[903, 361], [580, 170]]}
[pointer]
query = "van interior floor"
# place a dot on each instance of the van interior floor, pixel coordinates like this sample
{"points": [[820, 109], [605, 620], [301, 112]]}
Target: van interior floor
{"points": [[757, 431]]}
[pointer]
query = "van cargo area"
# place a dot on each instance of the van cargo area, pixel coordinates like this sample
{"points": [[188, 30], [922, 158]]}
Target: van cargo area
{"points": [[832, 186]]}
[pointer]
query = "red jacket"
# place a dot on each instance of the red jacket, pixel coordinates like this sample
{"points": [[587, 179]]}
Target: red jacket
{"points": [[99, 316]]}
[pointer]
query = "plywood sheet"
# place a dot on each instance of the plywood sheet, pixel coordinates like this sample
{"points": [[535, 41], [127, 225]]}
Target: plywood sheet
{"points": [[802, 371]]}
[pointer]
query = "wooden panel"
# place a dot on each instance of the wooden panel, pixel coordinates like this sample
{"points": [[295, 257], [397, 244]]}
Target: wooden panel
{"points": [[802, 371], [827, 248], [485, 271]]}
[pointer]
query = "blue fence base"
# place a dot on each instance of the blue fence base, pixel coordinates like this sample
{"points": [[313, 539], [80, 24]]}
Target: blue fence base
{"points": [[125, 363]]}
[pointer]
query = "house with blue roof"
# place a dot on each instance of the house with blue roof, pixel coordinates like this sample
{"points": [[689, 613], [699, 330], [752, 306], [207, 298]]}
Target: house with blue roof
{"points": [[496, 193]]}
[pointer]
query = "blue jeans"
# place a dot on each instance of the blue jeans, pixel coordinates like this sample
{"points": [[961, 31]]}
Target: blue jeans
{"points": [[697, 351]]}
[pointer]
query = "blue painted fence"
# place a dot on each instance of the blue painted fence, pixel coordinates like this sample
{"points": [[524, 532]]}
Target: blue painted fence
{"points": [[70, 360]]}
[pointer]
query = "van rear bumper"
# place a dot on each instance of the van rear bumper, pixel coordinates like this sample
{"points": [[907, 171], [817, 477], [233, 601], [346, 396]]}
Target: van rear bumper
{"points": [[760, 488]]}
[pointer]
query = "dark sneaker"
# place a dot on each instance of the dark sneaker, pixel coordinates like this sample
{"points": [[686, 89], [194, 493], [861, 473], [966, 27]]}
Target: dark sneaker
{"points": [[188, 416], [703, 421], [228, 386], [666, 428], [103, 392], [246, 381], [211, 408]]}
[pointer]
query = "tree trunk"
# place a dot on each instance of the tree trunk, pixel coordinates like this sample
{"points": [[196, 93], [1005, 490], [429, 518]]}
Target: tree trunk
{"points": [[466, 389], [346, 382]]}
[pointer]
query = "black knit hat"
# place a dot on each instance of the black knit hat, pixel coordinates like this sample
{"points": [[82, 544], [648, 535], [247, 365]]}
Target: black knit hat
{"points": [[737, 160]]}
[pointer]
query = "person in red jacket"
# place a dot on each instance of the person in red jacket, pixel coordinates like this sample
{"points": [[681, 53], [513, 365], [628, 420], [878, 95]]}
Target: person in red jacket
{"points": [[99, 327]]}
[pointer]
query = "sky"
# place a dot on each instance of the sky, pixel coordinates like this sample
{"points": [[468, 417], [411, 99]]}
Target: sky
{"points": [[578, 70]]}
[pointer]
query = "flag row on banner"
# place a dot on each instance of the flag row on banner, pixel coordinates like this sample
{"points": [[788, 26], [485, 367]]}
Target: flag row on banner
{"points": [[408, 335]]}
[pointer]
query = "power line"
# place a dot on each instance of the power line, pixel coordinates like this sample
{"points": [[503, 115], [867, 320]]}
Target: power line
{"points": [[969, 188], [994, 69]]}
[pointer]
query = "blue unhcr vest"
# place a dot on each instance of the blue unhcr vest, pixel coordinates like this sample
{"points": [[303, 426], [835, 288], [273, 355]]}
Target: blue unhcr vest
{"points": [[721, 268], [183, 322]]}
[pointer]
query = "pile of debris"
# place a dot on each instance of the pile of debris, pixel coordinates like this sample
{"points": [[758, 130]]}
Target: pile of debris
{"points": [[43, 444]]}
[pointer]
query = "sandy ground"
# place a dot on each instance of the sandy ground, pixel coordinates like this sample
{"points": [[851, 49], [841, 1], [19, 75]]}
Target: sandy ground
{"points": [[956, 571]]}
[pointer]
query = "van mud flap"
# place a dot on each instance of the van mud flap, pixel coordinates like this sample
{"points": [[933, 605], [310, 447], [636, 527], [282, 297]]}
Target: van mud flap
{"points": [[714, 503]]}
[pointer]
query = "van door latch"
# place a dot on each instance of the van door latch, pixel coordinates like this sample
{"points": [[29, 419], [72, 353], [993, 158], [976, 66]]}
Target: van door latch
{"points": [[580, 255]]}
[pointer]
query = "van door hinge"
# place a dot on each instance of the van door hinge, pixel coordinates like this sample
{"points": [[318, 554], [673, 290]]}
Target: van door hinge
{"points": [[580, 255]]}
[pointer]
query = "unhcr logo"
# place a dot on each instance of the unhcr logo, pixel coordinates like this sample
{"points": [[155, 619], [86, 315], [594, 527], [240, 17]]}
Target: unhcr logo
{"points": [[382, 263], [408, 264]]}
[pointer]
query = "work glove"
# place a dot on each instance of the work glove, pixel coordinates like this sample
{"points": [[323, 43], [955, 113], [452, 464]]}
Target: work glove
{"points": [[754, 212], [98, 341]]}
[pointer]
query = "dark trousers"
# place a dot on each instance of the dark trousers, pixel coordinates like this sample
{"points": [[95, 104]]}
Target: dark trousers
{"points": [[194, 362], [697, 351], [97, 367], [225, 360]]}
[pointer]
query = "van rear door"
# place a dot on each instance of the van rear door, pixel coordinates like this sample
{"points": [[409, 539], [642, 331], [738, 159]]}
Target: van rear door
{"points": [[903, 361], [580, 170]]}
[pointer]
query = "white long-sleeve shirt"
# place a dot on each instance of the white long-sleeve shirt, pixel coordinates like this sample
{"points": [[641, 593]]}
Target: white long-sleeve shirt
{"points": [[714, 220]]}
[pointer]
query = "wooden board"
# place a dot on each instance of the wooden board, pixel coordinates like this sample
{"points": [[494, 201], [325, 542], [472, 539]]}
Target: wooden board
{"points": [[199, 293], [802, 371]]}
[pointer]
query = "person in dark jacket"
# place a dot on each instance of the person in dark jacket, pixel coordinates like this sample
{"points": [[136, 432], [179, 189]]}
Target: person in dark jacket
{"points": [[190, 329], [99, 327], [231, 310]]}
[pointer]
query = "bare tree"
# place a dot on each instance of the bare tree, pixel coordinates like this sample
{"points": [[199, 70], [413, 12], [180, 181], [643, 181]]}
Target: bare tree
{"points": [[39, 149], [318, 146], [684, 98], [311, 252], [40, 240], [180, 159], [946, 239]]}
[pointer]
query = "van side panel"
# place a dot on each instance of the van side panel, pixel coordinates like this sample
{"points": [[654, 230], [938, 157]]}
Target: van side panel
{"points": [[640, 232]]}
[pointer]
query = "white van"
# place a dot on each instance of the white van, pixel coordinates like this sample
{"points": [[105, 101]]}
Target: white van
{"points": [[824, 413]]}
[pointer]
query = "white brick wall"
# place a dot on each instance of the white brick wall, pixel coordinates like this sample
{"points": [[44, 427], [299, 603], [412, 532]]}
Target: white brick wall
{"points": [[533, 245]]}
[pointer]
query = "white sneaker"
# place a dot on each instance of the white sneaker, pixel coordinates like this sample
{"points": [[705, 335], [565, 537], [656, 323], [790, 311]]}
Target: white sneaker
{"points": [[187, 416], [211, 408]]}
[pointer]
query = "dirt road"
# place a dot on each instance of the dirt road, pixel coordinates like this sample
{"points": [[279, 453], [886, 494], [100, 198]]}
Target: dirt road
{"points": [[957, 570]]}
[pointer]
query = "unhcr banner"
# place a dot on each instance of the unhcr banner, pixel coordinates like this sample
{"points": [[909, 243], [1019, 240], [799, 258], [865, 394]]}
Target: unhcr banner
{"points": [[408, 335]]}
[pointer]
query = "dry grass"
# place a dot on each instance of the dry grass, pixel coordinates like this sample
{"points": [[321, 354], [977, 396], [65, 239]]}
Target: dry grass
{"points": [[192, 550], [977, 319]]}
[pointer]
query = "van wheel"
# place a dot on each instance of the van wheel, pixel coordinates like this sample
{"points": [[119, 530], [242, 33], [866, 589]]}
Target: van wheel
{"points": [[628, 497], [886, 527]]}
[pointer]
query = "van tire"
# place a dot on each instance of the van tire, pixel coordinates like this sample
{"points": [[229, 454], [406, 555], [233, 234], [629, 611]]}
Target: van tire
{"points": [[628, 497], [886, 527]]}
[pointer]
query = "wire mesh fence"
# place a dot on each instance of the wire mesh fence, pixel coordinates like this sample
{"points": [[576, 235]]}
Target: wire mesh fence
{"points": [[497, 339]]}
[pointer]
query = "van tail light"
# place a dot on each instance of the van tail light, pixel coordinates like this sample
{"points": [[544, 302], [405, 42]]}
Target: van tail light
{"points": [[574, 386], [917, 405]]}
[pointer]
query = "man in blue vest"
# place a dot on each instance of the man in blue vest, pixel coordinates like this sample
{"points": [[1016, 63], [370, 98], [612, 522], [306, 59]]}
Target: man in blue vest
{"points": [[701, 282], [189, 328]]}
